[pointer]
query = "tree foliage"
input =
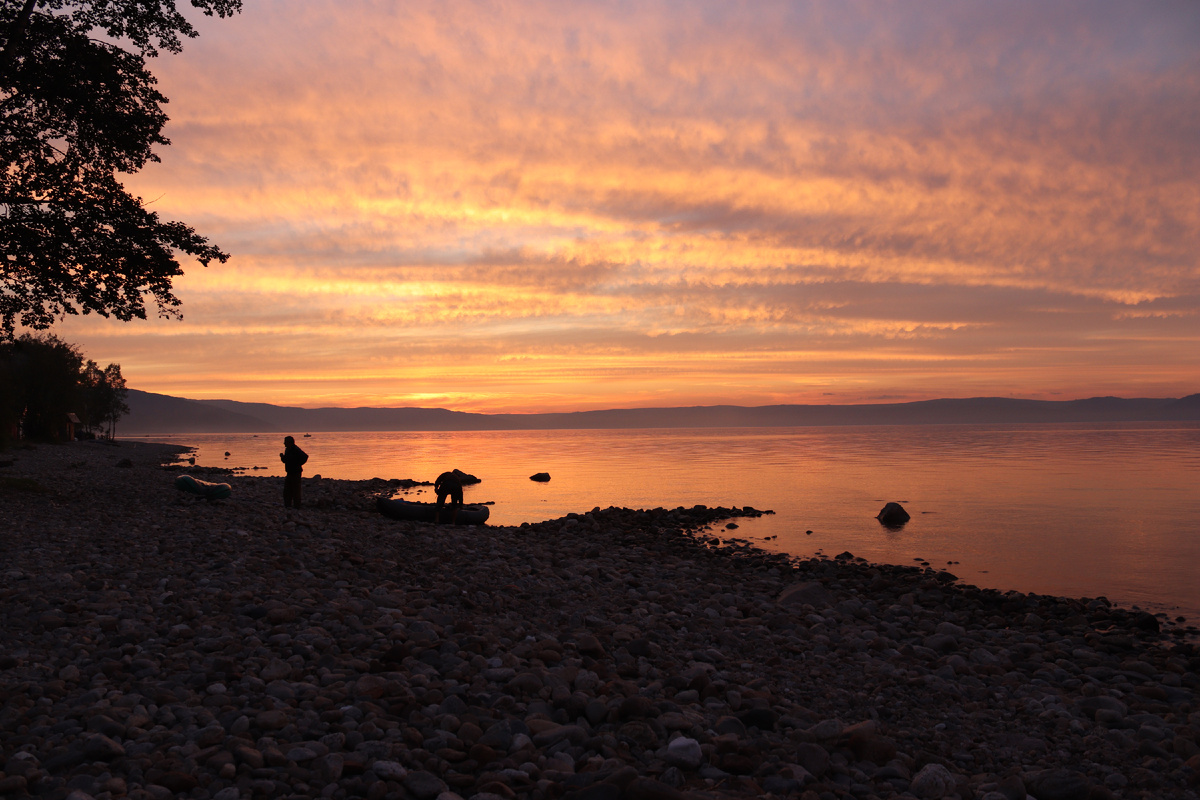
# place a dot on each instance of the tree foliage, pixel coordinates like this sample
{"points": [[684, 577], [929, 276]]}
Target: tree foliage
{"points": [[102, 394], [75, 111], [43, 378], [42, 374]]}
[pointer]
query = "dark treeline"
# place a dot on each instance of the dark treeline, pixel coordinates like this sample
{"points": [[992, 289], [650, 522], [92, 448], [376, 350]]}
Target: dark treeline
{"points": [[50, 392]]}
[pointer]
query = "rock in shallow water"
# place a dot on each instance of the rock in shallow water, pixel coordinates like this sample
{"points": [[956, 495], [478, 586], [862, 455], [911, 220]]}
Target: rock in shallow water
{"points": [[893, 515]]}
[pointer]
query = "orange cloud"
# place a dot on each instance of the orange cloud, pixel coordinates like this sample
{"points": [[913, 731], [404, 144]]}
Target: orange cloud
{"points": [[587, 204]]}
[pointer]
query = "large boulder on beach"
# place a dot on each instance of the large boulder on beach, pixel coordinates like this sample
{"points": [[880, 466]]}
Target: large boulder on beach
{"points": [[933, 782], [1091, 706], [684, 753], [893, 515], [1058, 784], [541, 477], [424, 785]]}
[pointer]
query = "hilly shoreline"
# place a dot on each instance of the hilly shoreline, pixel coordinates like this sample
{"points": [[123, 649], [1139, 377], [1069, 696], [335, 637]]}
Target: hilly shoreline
{"points": [[160, 414]]}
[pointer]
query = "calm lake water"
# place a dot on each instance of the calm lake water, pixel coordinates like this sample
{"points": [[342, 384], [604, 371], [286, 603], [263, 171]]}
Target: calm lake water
{"points": [[1083, 510]]}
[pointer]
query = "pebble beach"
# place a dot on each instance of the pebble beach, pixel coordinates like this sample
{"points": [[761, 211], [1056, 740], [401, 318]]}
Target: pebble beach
{"points": [[158, 645]]}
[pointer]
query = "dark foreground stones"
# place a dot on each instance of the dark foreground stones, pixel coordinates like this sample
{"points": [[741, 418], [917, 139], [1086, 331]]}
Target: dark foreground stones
{"points": [[155, 645]]}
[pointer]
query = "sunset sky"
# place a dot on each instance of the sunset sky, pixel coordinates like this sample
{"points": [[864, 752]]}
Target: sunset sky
{"points": [[536, 206]]}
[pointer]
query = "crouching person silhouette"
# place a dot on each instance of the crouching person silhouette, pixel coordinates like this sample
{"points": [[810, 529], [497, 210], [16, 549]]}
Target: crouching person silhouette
{"points": [[448, 485]]}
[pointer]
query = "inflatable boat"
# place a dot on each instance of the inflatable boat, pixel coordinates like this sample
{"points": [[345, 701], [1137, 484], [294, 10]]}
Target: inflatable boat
{"points": [[212, 491], [397, 508]]}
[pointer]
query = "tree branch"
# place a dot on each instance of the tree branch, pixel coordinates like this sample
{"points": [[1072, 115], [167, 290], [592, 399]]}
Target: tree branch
{"points": [[15, 38]]}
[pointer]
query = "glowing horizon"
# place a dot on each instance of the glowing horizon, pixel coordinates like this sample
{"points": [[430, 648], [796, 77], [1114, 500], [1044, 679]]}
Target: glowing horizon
{"points": [[575, 206]]}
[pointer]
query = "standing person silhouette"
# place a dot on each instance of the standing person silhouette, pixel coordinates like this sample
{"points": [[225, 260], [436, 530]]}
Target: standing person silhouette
{"points": [[293, 459], [448, 485]]}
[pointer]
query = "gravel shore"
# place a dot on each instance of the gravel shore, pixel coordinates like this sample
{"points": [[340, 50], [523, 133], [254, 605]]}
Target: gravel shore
{"points": [[156, 645]]}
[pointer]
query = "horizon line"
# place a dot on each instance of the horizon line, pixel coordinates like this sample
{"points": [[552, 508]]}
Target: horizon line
{"points": [[883, 402]]}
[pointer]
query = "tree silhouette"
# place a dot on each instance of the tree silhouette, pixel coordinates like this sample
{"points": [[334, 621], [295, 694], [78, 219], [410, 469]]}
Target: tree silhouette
{"points": [[74, 112], [41, 376], [102, 394]]}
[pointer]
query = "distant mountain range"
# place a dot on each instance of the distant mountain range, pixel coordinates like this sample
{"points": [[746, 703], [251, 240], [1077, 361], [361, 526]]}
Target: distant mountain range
{"points": [[159, 413]]}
